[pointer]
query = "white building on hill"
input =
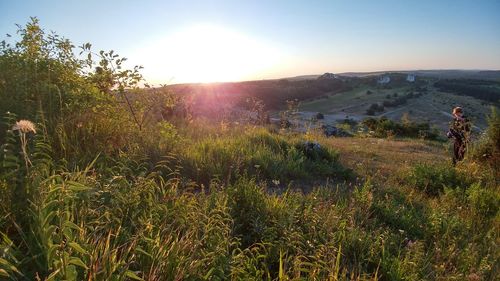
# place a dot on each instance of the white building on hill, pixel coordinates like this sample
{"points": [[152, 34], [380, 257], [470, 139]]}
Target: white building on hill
{"points": [[384, 80], [410, 78]]}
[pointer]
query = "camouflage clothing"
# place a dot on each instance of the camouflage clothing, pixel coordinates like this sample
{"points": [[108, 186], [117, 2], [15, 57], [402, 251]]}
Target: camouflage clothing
{"points": [[460, 132]]}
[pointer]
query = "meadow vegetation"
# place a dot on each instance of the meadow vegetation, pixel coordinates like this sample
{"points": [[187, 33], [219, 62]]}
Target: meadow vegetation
{"points": [[101, 185], [383, 127]]}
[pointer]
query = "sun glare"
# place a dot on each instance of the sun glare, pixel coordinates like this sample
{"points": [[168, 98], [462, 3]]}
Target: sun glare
{"points": [[208, 53]]}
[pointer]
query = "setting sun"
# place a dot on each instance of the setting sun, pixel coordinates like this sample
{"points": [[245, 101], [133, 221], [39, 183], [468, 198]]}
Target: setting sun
{"points": [[207, 53]]}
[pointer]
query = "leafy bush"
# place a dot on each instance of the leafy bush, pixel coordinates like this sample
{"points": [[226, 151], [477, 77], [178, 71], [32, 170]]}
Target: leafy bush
{"points": [[432, 179], [374, 108], [40, 73], [384, 127], [488, 148], [485, 203]]}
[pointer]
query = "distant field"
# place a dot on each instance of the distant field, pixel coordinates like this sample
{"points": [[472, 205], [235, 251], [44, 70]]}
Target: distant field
{"points": [[434, 106], [353, 101]]}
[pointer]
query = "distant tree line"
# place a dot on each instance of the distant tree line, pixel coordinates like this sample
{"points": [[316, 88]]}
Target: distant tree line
{"points": [[273, 93], [480, 89]]}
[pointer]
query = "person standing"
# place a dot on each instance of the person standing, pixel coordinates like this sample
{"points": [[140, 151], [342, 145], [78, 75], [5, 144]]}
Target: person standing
{"points": [[459, 131]]}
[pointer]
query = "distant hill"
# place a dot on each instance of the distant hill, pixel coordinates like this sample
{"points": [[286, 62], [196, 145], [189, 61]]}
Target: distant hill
{"points": [[303, 77], [489, 74], [211, 99], [432, 73]]}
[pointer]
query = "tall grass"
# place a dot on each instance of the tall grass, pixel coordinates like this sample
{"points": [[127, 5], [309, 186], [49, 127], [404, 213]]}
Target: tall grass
{"points": [[134, 221], [261, 153]]}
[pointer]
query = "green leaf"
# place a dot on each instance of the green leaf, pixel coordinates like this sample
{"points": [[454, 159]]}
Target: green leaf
{"points": [[68, 233], [71, 273], [78, 248], [78, 262], [72, 225], [76, 186], [140, 250], [51, 252], [132, 275]]}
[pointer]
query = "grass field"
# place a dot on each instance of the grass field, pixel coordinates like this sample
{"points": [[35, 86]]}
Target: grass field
{"points": [[249, 203], [434, 107]]}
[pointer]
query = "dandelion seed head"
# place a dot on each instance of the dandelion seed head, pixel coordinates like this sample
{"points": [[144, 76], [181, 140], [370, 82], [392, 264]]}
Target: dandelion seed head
{"points": [[24, 126]]}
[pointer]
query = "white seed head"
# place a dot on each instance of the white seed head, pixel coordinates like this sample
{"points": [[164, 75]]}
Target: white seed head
{"points": [[24, 126]]}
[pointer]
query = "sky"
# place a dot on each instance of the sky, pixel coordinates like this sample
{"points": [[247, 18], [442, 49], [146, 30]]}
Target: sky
{"points": [[208, 41]]}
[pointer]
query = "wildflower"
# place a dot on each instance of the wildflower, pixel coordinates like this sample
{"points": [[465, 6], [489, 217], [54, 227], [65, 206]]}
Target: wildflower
{"points": [[24, 126]]}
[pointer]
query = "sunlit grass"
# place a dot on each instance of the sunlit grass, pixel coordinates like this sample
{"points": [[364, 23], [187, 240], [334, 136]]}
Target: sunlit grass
{"points": [[105, 190]]}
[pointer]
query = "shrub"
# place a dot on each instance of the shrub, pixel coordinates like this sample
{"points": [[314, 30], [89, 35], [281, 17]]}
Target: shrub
{"points": [[432, 179], [384, 127], [374, 107], [484, 203], [487, 149]]}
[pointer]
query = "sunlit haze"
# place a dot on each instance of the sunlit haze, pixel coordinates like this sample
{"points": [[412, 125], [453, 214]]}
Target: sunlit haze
{"points": [[207, 41], [207, 53]]}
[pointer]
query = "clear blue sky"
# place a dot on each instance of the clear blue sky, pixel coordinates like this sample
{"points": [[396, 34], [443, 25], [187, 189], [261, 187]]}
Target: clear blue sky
{"points": [[298, 37]]}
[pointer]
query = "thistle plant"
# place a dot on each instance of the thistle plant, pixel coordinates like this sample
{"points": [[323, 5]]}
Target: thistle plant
{"points": [[24, 127]]}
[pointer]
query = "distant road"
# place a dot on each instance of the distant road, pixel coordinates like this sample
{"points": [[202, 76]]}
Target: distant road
{"points": [[348, 107], [392, 111]]}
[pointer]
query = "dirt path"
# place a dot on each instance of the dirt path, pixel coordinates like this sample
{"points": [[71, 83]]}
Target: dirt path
{"points": [[392, 111], [348, 107]]}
